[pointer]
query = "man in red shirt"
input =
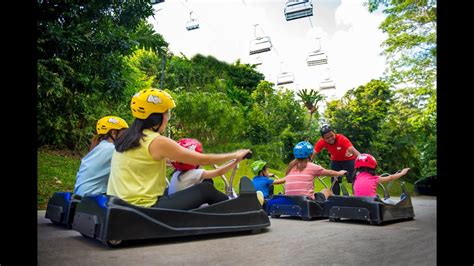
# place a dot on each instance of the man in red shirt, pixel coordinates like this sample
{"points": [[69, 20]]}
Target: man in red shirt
{"points": [[342, 152]]}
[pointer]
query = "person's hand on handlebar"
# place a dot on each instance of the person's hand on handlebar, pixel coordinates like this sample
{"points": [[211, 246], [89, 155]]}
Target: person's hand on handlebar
{"points": [[241, 153], [342, 172], [404, 171]]}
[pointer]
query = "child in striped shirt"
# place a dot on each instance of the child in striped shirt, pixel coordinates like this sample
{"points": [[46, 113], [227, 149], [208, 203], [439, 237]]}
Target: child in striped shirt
{"points": [[301, 173]]}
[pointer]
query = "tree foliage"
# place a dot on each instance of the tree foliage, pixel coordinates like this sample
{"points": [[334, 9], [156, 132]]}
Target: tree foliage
{"points": [[93, 56], [81, 70], [411, 50], [411, 44], [310, 100], [206, 73], [275, 119], [209, 117], [379, 123], [360, 113]]}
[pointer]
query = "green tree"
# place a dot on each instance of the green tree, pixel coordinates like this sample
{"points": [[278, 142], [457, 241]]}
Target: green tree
{"points": [[82, 75], [411, 44], [411, 51], [276, 122], [144, 68], [274, 111], [208, 117], [395, 145], [244, 76], [206, 73], [91, 37], [179, 74], [360, 113], [145, 37], [310, 100]]}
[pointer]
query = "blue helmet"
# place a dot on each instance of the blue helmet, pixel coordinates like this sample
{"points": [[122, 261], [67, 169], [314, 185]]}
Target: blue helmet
{"points": [[303, 150]]}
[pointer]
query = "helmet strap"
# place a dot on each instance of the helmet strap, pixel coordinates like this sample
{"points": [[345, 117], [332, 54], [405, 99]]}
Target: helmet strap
{"points": [[110, 135]]}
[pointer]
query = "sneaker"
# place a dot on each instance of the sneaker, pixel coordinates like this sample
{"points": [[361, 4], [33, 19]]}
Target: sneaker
{"points": [[260, 197]]}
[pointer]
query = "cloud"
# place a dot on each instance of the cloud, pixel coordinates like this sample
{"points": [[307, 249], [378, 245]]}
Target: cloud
{"points": [[355, 50], [226, 30]]}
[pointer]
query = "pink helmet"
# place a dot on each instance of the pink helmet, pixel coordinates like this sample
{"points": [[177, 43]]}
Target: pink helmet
{"points": [[190, 144], [365, 160]]}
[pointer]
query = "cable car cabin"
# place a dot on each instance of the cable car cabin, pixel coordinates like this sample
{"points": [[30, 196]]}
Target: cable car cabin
{"points": [[327, 85], [260, 45], [317, 58], [295, 9], [285, 78], [192, 24]]}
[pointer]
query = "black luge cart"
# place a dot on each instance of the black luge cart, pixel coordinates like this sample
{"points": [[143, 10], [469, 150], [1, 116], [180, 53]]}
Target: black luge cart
{"points": [[371, 209], [112, 220], [426, 186], [296, 206], [299, 206], [61, 208]]}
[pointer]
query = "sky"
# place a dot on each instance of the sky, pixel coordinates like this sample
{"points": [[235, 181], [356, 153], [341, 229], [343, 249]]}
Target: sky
{"points": [[348, 34]]}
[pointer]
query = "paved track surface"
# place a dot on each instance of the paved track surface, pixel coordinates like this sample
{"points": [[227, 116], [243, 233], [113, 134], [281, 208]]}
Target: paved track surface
{"points": [[288, 241]]}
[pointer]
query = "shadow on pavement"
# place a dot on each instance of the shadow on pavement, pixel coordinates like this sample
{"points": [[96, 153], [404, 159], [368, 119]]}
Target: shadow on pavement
{"points": [[165, 241]]}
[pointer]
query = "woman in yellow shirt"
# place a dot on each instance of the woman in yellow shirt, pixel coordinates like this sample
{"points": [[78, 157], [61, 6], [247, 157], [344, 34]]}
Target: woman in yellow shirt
{"points": [[138, 168]]}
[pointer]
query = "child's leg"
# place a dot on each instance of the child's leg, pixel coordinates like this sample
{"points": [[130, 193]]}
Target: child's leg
{"points": [[322, 195], [209, 181], [191, 197], [349, 167], [326, 192], [271, 189], [336, 189]]}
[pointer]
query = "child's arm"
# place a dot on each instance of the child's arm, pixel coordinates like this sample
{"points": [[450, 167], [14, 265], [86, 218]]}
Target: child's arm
{"points": [[389, 178], [208, 174], [279, 181], [327, 172]]}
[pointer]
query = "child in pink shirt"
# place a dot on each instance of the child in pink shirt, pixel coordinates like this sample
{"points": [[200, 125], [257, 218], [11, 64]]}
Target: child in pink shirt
{"points": [[366, 181], [301, 173]]}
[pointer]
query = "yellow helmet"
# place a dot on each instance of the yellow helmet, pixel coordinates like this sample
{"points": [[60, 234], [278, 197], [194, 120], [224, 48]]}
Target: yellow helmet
{"points": [[149, 101], [110, 122]]}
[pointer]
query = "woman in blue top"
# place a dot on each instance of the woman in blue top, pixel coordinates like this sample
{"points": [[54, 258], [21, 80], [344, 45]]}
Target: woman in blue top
{"points": [[261, 181], [94, 170]]}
